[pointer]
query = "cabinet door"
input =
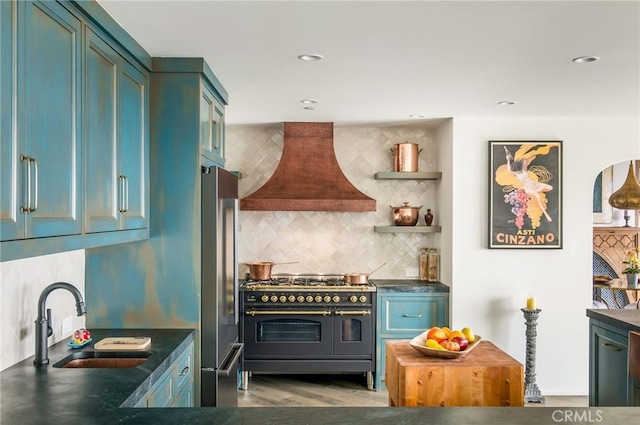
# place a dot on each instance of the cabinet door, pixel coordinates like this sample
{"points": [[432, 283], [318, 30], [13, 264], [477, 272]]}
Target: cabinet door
{"points": [[132, 141], [11, 220], [49, 56], [184, 397], [100, 137], [608, 377], [211, 126], [403, 316], [115, 140]]}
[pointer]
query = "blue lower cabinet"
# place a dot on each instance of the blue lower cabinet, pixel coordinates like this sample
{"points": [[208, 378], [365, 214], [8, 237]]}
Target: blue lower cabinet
{"points": [[175, 387], [404, 315], [609, 381]]}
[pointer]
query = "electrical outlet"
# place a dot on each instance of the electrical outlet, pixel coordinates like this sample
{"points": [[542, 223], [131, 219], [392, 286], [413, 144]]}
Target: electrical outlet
{"points": [[67, 324], [411, 272]]}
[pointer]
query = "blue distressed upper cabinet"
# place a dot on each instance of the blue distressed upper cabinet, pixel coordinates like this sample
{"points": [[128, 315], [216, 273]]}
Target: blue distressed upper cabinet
{"points": [[211, 126], [44, 183], [11, 221], [115, 140], [74, 128]]}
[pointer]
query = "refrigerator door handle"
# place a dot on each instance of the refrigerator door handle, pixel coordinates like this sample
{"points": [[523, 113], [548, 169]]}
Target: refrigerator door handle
{"points": [[232, 203], [236, 274], [229, 363]]}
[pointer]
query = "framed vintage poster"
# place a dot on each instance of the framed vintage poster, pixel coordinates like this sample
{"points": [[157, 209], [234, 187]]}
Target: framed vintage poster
{"points": [[525, 200]]}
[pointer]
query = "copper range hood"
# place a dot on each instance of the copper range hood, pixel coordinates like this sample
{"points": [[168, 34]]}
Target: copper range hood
{"points": [[308, 177]]}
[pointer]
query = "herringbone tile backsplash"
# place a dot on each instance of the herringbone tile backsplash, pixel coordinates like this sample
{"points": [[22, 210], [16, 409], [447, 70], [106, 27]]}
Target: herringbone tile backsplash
{"points": [[335, 242]]}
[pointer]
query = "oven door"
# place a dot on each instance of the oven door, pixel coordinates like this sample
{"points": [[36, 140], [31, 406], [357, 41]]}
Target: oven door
{"points": [[287, 334], [353, 331]]}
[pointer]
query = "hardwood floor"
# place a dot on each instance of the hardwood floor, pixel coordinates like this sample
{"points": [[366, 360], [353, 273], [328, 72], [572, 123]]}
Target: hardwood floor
{"points": [[346, 390]]}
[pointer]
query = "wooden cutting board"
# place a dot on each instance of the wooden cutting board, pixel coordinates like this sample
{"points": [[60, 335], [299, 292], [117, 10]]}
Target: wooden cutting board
{"points": [[123, 343]]}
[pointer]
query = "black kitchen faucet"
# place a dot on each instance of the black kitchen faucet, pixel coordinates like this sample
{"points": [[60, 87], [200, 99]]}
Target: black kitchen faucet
{"points": [[43, 323]]}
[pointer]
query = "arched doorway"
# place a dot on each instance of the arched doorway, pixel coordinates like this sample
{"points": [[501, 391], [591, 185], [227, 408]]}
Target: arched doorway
{"points": [[615, 232]]}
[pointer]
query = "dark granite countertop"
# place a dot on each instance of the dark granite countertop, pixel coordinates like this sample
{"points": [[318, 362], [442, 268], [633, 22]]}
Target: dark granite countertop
{"points": [[409, 285], [44, 395], [625, 319], [52, 396]]}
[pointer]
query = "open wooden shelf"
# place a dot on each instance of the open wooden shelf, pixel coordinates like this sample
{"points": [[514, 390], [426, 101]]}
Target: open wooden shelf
{"points": [[392, 175], [407, 229]]}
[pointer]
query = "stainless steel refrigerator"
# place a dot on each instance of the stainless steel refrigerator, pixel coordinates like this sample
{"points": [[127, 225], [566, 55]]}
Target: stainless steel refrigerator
{"points": [[220, 349]]}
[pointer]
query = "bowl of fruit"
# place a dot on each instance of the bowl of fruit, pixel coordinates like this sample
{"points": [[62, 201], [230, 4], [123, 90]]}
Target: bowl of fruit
{"points": [[445, 343]]}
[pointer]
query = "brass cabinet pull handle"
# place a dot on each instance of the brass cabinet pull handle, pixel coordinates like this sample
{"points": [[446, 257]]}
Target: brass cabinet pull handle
{"points": [[35, 185], [27, 209], [125, 197], [184, 371], [610, 346], [417, 316], [121, 195], [30, 183]]}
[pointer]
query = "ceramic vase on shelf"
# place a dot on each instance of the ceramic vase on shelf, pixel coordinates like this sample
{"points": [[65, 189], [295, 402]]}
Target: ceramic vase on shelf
{"points": [[428, 218], [632, 279]]}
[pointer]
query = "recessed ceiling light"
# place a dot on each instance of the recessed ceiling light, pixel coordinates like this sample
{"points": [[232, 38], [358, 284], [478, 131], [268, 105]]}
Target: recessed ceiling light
{"points": [[310, 57], [416, 116], [308, 101], [585, 59], [506, 103], [309, 108]]}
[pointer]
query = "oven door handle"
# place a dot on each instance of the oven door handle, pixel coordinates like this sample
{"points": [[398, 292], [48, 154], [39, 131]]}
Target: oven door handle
{"points": [[288, 312], [353, 312]]}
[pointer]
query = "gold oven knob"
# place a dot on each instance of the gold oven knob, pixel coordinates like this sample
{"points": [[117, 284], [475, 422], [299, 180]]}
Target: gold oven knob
{"points": [[318, 299], [363, 299], [353, 298], [283, 299], [327, 299], [309, 299], [336, 299], [264, 298], [274, 299], [291, 298], [300, 299]]}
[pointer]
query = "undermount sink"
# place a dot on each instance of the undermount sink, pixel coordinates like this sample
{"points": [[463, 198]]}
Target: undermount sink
{"points": [[104, 359]]}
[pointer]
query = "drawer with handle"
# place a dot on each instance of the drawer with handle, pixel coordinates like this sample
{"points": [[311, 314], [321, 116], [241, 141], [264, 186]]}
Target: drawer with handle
{"points": [[407, 313], [183, 372]]}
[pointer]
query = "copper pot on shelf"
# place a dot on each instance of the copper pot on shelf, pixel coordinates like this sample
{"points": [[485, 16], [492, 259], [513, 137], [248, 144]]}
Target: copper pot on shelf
{"points": [[405, 157], [405, 215]]}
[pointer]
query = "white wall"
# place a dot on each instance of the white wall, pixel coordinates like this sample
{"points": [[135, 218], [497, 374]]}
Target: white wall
{"points": [[490, 285], [21, 282]]}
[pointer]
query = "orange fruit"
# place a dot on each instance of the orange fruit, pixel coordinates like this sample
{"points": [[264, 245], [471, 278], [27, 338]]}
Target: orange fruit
{"points": [[456, 334], [437, 334]]}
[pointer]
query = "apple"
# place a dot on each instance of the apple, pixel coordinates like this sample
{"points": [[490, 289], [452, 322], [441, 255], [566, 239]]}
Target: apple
{"points": [[463, 342]]}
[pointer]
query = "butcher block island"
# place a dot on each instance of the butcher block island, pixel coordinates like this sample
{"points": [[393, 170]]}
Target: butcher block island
{"points": [[486, 376]]}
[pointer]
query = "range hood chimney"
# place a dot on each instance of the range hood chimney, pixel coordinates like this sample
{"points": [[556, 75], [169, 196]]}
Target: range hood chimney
{"points": [[308, 177]]}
